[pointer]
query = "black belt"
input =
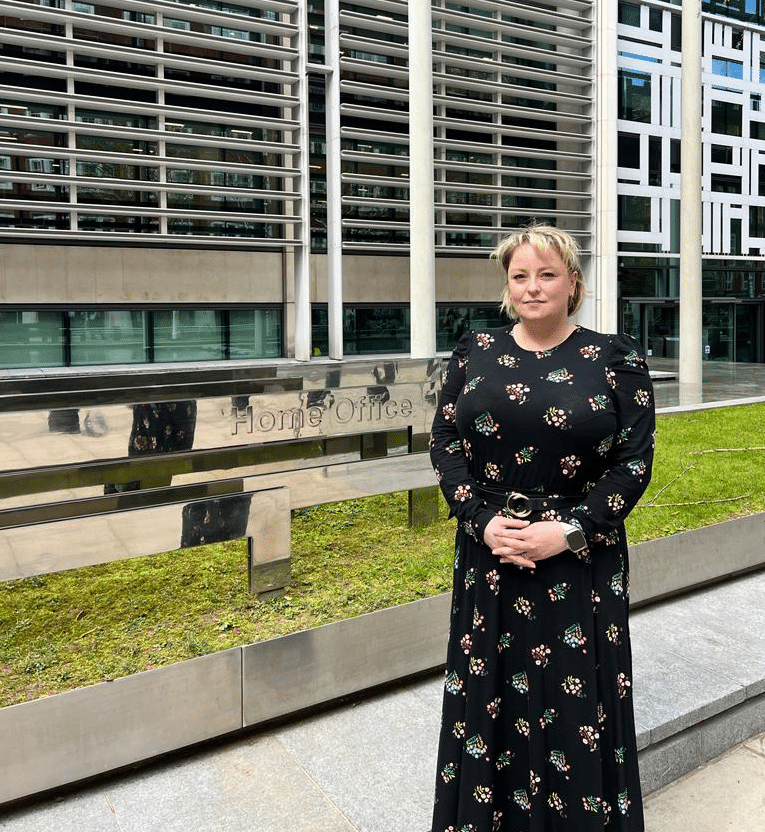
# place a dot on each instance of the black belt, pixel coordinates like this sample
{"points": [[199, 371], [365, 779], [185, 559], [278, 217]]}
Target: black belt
{"points": [[522, 505]]}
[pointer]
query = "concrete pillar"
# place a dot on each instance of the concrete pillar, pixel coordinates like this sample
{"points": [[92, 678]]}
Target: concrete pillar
{"points": [[603, 281], [422, 264], [334, 184], [302, 283], [691, 218]]}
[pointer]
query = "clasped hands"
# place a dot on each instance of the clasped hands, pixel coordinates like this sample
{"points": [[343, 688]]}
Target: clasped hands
{"points": [[523, 543]]}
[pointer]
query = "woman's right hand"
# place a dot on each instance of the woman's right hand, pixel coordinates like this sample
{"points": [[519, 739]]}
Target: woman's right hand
{"points": [[499, 537]]}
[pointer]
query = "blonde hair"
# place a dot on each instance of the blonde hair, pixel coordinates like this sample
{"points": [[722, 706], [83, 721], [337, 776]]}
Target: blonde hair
{"points": [[541, 238]]}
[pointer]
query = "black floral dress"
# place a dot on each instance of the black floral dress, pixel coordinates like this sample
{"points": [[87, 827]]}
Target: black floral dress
{"points": [[538, 730]]}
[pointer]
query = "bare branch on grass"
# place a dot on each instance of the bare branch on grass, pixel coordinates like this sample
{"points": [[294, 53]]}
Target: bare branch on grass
{"points": [[728, 450], [652, 501], [653, 504]]}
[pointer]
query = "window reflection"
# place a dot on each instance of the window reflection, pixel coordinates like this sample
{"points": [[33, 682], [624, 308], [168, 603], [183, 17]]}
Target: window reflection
{"points": [[366, 329], [108, 337], [31, 339], [83, 337], [255, 333], [634, 96], [453, 321], [187, 335]]}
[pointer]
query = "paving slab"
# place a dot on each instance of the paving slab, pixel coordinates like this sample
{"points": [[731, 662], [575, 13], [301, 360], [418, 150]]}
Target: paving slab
{"points": [[726, 794], [85, 811], [376, 761], [251, 784]]}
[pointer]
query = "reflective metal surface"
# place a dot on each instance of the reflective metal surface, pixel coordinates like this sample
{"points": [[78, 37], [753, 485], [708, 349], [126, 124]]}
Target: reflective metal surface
{"points": [[138, 461]]}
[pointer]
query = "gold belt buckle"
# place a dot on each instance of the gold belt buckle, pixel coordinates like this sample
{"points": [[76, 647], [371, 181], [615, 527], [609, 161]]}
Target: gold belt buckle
{"points": [[518, 505]]}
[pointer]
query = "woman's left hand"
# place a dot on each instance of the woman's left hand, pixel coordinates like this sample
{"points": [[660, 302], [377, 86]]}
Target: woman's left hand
{"points": [[534, 542]]}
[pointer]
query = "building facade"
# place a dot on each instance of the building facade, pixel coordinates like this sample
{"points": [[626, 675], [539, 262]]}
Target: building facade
{"points": [[733, 178], [216, 181], [165, 170]]}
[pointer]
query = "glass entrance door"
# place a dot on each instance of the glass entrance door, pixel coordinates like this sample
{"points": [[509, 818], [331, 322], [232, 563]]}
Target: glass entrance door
{"points": [[718, 323], [730, 331], [662, 330], [749, 332]]}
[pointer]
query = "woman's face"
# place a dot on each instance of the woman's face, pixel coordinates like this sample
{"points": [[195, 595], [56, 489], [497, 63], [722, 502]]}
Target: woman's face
{"points": [[540, 285]]}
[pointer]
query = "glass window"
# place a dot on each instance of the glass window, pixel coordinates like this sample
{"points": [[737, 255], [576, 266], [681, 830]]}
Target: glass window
{"points": [[320, 329], [728, 68], [453, 321], [255, 333], [629, 14], [84, 337], [735, 236], [117, 224], [376, 329], [34, 219], [726, 118], [115, 144], [31, 339], [223, 228], [756, 221], [676, 35], [115, 119], [87, 195], [116, 170], [722, 155], [674, 155], [634, 95], [634, 213], [761, 180], [112, 336], [757, 130], [724, 184], [188, 335], [654, 160], [655, 20], [629, 150], [34, 137]]}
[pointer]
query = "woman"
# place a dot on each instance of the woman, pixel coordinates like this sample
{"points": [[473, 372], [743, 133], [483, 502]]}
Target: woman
{"points": [[542, 444]]}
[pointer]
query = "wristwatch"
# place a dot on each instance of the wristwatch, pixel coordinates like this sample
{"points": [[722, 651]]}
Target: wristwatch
{"points": [[575, 539]]}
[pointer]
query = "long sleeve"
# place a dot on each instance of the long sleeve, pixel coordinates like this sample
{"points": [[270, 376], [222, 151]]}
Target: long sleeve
{"points": [[630, 456], [448, 453]]}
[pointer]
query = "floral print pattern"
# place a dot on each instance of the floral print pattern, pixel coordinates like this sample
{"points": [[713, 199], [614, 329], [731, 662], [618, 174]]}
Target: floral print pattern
{"points": [[538, 728]]}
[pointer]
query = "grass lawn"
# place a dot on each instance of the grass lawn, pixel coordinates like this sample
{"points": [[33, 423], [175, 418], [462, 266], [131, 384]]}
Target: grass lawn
{"points": [[86, 625]]}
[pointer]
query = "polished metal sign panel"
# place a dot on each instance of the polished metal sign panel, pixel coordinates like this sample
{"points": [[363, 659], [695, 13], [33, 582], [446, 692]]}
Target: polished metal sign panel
{"points": [[101, 466], [131, 431]]}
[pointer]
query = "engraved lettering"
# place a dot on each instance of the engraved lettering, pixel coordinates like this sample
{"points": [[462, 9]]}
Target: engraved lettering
{"points": [[371, 407], [266, 421], [292, 418], [241, 417], [344, 410]]}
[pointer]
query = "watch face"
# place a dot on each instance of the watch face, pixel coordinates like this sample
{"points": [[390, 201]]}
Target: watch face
{"points": [[576, 541]]}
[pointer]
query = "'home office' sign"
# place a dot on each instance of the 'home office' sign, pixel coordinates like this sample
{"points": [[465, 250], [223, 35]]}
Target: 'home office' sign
{"points": [[98, 466], [330, 412]]}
